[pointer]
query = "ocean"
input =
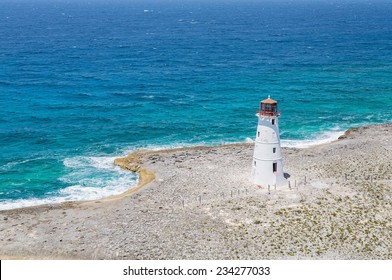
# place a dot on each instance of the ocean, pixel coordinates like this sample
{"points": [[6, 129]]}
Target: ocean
{"points": [[84, 82]]}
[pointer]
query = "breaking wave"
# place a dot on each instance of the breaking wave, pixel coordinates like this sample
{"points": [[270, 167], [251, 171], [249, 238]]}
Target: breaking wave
{"points": [[87, 178]]}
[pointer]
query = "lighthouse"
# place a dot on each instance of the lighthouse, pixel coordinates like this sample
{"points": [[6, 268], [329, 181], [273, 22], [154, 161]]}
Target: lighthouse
{"points": [[267, 168]]}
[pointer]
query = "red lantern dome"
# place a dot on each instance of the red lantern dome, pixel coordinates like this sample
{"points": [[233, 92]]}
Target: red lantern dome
{"points": [[269, 107]]}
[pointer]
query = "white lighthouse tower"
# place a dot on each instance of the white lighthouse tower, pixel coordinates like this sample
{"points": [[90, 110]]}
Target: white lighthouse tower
{"points": [[267, 157]]}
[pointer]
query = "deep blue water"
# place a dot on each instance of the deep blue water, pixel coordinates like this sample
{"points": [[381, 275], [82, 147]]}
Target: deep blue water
{"points": [[82, 83]]}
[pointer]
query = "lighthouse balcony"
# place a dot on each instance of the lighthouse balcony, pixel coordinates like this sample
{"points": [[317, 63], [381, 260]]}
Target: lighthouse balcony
{"points": [[261, 113]]}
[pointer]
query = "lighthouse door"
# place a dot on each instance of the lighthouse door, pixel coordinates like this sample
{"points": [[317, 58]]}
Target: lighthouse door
{"points": [[275, 167]]}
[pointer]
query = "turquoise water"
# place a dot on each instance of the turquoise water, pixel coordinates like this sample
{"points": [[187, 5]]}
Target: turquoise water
{"points": [[83, 83]]}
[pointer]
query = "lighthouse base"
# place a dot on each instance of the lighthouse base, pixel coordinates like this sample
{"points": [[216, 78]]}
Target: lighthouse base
{"points": [[283, 183], [266, 180]]}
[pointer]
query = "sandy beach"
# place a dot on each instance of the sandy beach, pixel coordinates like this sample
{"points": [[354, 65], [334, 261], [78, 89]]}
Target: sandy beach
{"points": [[199, 203]]}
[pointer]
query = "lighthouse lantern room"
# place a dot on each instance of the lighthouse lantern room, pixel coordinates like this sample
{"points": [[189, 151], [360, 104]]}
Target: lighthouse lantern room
{"points": [[267, 166]]}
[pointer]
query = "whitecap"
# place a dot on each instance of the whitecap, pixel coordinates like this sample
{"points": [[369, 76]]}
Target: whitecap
{"points": [[173, 146], [323, 138], [148, 96], [11, 164], [368, 117]]}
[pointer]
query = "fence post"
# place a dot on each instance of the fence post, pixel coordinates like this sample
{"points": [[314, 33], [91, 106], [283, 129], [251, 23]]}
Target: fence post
{"points": [[305, 179], [289, 185], [231, 193]]}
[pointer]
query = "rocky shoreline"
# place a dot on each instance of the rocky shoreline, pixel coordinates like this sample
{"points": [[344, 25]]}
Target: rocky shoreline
{"points": [[199, 203]]}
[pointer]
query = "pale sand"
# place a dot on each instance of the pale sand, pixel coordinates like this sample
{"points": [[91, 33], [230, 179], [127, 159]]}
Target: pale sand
{"points": [[342, 212]]}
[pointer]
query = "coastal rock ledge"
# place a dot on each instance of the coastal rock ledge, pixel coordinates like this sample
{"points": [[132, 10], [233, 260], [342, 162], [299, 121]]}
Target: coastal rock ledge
{"points": [[199, 203]]}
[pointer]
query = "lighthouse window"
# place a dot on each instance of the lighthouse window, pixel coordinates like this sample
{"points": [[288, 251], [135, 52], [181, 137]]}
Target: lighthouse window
{"points": [[273, 122], [258, 133], [254, 163], [274, 167], [274, 150]]}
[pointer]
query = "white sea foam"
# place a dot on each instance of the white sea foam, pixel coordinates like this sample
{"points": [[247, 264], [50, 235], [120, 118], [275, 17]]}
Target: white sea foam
{"points": [[9, 165], [89, 178], [96, 162], [169, 146], [323, 138], [20, 203], [148, 96], [73, 193]]}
